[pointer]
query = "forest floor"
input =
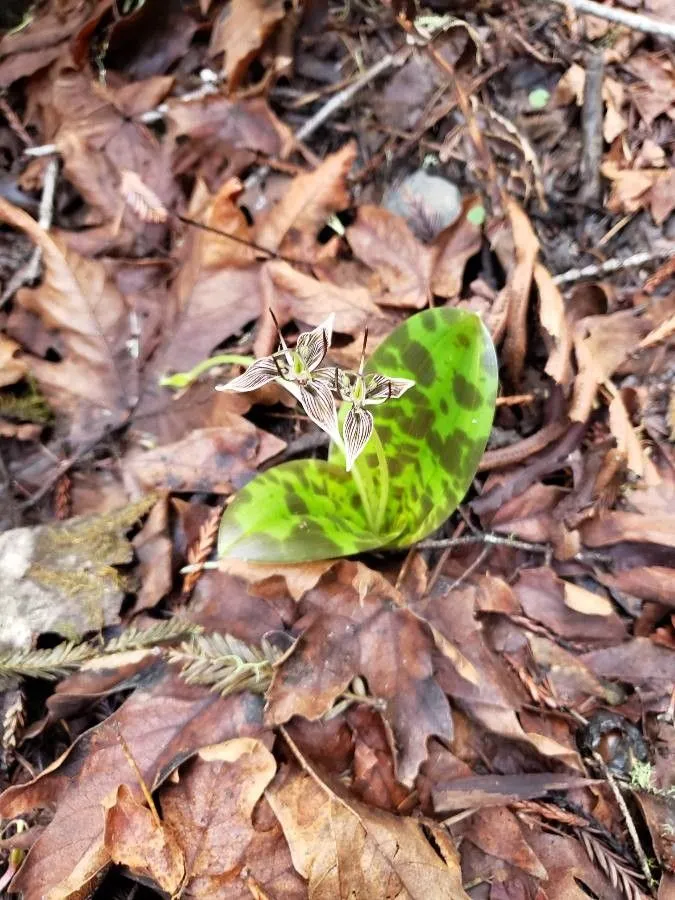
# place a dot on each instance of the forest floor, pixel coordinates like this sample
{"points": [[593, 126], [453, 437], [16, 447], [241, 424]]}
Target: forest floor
{"points": [[491, 716]]}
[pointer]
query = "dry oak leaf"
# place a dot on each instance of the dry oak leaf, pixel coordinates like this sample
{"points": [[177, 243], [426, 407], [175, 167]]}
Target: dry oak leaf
{"points": [[209, 460], [345, 633], [163, 724], [93, 385], [294, 222], [346, 849], [215, 812], [135, 839], [240, 33]]}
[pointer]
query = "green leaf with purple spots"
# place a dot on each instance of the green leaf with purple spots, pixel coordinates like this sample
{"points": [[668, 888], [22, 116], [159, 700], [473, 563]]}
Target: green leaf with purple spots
{"points": [[296, 512], [432, 439]]}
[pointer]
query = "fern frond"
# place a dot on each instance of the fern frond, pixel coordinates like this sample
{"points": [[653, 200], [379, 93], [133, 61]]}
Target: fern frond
{"points": [[225, 664], [48, 664], [160, 633]]}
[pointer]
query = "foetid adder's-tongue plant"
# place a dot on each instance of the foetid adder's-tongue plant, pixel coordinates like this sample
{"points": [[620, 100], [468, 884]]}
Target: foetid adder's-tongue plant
{"points": [[415, 420]]}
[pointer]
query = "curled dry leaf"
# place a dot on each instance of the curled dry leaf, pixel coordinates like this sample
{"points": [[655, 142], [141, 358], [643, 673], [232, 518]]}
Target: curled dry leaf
{"points": [[240, 32], [94, 384], [347, 849], [519, 284], [163, 724]]}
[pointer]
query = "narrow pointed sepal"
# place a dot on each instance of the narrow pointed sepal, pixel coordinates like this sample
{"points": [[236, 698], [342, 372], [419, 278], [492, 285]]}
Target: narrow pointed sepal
{"points": [[312, 346], [258, 374], [380, 388], [356, 432]]}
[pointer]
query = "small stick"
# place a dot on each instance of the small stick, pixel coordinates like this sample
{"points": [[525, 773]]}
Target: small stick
{"points": [[126, 749], [614, 265], [635, 21], [590, 190], [628, 819], [30, 271]]}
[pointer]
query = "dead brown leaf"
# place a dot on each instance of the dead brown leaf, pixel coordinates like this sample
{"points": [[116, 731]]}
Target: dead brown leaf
{"points": [[344, 635], [384, 242], [209, 460], [616, 526], [601, 344], [162, 724], [293, 224], [240, 32], [11, 369], [566, 609], [215, 812], [93, 385], [520, 264], [346, 849], [134, 839]]}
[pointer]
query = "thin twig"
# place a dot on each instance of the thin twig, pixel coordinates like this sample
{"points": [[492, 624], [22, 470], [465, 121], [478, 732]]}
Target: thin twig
{"points": [[614, 265], [336, 102], [502, 540], [636, 21], [270, 254], [591, 186], [30, 271], [628, 819]]}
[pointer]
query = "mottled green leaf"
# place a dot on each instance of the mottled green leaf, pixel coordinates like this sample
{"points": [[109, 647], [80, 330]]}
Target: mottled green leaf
{"points": [[296, 512], [434, 436]]}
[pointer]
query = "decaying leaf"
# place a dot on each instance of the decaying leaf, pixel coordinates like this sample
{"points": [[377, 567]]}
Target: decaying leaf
{"points": [[222, 823], [162, 725], [343, 630], [344, 848]]}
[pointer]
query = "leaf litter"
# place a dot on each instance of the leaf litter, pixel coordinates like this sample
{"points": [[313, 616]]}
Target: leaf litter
{"points": [[490, 716]]}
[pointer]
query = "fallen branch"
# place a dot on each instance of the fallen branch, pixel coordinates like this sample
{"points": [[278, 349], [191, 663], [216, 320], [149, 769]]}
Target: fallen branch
{"points": [[635, 21]]}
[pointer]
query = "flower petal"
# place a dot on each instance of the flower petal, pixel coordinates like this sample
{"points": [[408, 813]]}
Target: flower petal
{"points": [[312, 346], [356, 431], [328, 376], [261, 372], [318, 403], [380, 388]]}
